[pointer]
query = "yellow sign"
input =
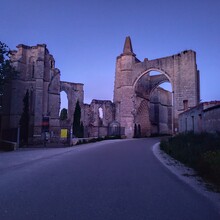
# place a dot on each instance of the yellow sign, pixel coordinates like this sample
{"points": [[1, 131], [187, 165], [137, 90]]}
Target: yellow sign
{"points": [[63, 133]]}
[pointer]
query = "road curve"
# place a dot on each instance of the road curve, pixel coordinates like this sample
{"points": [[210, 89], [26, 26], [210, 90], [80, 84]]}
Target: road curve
{"points": [[119, 180]]}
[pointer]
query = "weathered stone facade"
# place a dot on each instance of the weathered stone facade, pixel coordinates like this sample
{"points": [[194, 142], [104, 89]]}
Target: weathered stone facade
{"points": [[74, 92], [97, 118], [38, 75], [139, 108], [134, 86], [161, 112], [203, 118]]}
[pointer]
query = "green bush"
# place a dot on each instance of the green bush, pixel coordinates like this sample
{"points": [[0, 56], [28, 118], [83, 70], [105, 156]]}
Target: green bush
{"points": [[209, 166], [199, 151]]}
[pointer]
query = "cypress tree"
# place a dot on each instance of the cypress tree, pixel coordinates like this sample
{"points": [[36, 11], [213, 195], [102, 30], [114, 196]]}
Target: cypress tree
{"points": [[77, 125]]}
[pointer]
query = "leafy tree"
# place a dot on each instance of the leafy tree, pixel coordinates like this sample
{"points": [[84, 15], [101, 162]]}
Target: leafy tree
{"points": [[77, 124], [24, 121], [7, 72], [63, 114]]}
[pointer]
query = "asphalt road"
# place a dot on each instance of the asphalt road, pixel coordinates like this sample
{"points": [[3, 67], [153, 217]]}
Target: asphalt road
{"points": [[120, 180]]}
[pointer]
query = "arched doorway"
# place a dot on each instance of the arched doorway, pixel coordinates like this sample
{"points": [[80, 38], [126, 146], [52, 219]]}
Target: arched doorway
{"points": [[71, 92], [161, 109], [153, 101]]}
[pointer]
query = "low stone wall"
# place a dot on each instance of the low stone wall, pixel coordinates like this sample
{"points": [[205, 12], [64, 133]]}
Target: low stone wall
{"points": [[203, 118]]}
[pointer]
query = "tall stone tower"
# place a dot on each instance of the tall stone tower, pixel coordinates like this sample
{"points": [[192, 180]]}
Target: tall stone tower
{"points": [[134, 87], [123, 88]]}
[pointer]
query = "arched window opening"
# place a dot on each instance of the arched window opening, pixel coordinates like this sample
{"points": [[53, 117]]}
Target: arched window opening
{"points": [[100, 116], [154, 73], [101, 113], [63, 106], [167, 86], [33, 70], [161, 105], [185, 105], [155, 117]]}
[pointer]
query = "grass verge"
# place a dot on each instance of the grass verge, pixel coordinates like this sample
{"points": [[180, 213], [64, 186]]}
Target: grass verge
{"points": [[198, 151]]}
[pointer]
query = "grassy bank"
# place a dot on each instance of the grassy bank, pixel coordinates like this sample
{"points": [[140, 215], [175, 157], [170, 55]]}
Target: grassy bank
{"points": [[199, 151]]}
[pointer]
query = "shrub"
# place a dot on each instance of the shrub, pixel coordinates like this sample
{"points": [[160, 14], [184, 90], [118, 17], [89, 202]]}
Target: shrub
{"points": [[199, 151], [209, 166]]}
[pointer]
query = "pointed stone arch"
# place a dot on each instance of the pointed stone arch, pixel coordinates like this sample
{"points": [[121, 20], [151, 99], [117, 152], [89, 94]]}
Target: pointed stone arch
{"points": [[142, 119], [74, 93], [132, 82]]}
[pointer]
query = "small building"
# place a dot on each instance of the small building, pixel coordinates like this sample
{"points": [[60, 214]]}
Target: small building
{"points": [[204, 117]]}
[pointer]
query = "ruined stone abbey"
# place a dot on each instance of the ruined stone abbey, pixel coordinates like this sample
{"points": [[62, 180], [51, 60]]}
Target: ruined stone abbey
{"points": [[140, 106]]}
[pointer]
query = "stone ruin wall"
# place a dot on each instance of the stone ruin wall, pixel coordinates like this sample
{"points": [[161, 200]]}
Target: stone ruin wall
{"points": [[74, 92], [137, 97], [38, 75], [161, 112], [180, 70], [94, 124]]}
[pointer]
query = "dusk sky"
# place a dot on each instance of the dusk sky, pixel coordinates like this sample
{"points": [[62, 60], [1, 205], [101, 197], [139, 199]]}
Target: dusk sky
{"points": [[86, 36]]}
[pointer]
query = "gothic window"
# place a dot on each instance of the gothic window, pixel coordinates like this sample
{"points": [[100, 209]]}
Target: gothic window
{"points": [[100, 113], [100, 116], [185, 104], [33, 70]]}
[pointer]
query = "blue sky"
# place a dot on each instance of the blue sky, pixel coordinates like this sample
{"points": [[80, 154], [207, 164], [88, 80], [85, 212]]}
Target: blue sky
{"points": [[86, 36]]}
